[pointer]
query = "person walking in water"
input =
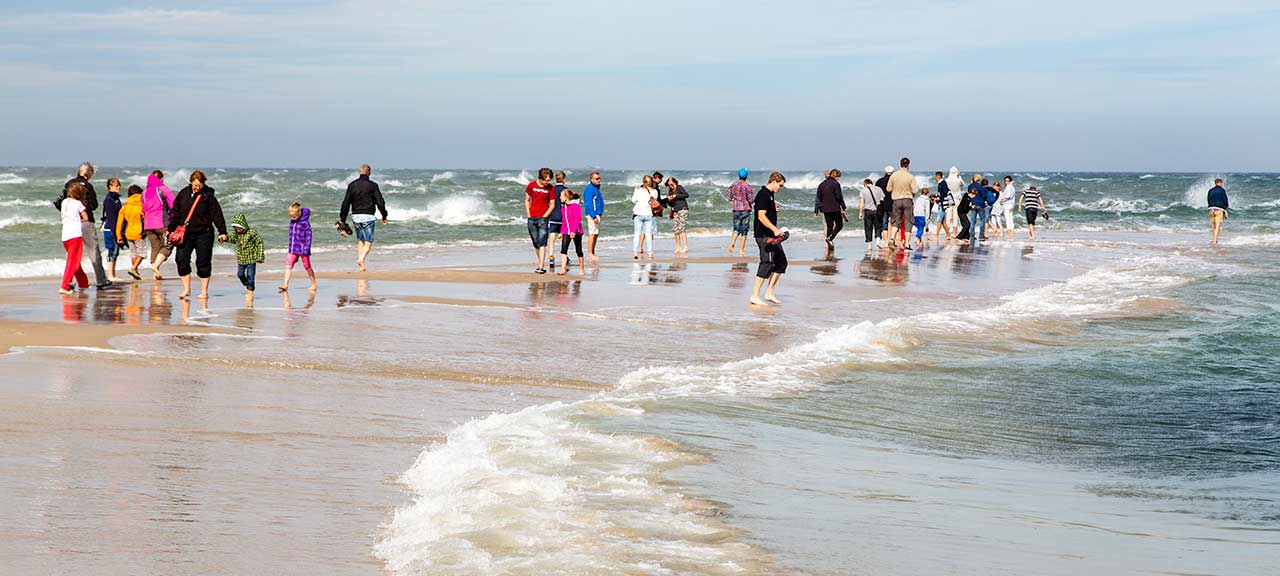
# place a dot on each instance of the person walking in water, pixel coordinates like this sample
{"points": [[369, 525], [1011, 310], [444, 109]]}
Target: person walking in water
{"points": [[571, 231], [157, 204], [92, 238], [869, 200], [74, 215], [1033, 206], [829, 203], [363, 196], [1218, 206], [128, 230], [956, 185], [196, 209], [299, 245], [1007, 202], [555, 220], [110, 214], [740, 204], [886, 206], [249, 253], [773, 260], [902, 188], [593, 209], [537, 205]]}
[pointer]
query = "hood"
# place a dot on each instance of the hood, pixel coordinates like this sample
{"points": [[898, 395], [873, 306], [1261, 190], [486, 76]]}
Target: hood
{"points": [[241, 221], [153, 182], [306, 214], [955, 173], [136, 199]]}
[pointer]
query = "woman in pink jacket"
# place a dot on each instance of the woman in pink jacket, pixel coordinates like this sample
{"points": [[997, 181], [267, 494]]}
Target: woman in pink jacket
{"points": [[157, 202]]}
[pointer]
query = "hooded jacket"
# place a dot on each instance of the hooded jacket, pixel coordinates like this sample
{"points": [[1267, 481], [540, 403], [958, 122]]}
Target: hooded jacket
{"points": [[206, 217], [156, 199], [954, 183], [110, 211], [300, 234], [129, 221], [248, 243]]}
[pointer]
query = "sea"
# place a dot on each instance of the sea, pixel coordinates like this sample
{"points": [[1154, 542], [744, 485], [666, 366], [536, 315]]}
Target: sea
{"points": [[968, 418]]}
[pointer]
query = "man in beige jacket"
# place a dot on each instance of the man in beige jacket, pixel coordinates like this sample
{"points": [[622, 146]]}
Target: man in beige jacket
{"points": [[902, 188]]}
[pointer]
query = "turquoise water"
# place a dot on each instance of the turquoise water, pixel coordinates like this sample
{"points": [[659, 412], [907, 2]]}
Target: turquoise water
{"points": [[449, 207]]}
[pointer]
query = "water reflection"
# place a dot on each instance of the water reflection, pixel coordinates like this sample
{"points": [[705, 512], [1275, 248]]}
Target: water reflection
{"points": [[887, 266]]}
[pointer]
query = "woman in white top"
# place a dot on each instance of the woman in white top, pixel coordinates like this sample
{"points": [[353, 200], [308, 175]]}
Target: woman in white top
{"points": [[73, 214], [642, 218], [1007, 202]]}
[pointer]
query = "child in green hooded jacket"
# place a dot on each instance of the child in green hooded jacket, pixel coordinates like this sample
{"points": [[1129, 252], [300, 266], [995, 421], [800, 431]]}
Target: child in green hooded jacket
{"points": [[248, 251]]}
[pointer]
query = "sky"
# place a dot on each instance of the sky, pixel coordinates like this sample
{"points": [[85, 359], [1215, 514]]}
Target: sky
{"points": [[1087, 85]]}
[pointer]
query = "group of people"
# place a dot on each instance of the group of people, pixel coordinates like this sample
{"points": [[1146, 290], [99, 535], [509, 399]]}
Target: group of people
{"points": [[894, 210], [186, 224]]}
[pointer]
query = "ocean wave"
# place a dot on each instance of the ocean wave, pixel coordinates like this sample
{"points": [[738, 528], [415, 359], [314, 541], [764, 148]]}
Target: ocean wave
{"points": [[1146, 176], [393, 182], [537, 491], [259, 179], [443, 176], [523, 178], [1035, 177], [28, 203], [25, 220], [33, 269], [454, 210], [341, 185], [1253, 240], [11, 178]]}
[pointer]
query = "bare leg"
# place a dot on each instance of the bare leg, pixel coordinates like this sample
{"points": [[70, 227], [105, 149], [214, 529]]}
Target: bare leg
{"points": [[312, 275], [186, 287], [773, 283], [755, 293], [288, 274], [204, 289], [362, 252]]}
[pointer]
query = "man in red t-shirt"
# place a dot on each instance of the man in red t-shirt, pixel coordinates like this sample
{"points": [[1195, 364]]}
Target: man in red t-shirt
{"points": [[537, 204]]}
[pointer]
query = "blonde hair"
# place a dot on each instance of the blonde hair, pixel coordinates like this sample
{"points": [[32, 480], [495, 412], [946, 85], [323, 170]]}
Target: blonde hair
{"points": [[647, 182]]}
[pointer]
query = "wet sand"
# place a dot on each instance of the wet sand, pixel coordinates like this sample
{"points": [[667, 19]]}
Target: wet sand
{"points": [[159, 436]]}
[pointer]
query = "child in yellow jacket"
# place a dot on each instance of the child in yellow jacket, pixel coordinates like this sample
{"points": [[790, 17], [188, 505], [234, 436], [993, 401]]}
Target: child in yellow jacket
{"points": [[129, 229]]}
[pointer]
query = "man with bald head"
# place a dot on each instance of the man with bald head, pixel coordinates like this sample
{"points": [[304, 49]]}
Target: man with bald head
{"points": [[363, 196]]}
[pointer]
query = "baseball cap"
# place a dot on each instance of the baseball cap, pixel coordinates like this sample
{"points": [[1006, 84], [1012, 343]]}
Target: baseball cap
{"points": [[743, 172], [888, 169]]}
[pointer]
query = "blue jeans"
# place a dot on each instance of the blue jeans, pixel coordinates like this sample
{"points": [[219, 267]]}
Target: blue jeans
{"points": [[980, 217], [538, 232], [643, 225], [364, 231], [247, 273], [109, 242]]}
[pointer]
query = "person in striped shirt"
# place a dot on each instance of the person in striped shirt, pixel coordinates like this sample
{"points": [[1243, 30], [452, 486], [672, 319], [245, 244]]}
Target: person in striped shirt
{"points": [[1033, 206], [740, 202]]}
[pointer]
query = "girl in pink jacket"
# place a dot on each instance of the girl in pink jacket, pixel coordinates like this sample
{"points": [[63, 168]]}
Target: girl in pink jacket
{"points": [[157, 203], [571, 230]]}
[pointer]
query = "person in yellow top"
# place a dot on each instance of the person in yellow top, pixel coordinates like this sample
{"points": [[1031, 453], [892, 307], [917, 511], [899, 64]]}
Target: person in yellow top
{"points": [[129, 229], [902, 188]]}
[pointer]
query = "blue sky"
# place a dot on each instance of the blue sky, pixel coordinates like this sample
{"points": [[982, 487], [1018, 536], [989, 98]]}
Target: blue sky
{"points": [[803, 84]]}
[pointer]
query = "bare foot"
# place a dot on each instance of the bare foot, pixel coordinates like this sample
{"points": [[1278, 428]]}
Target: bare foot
{"points": [[184, 295], [756, 301], [202, 296], [312, 288], [773, 299], [360, 265], [282, 288]]}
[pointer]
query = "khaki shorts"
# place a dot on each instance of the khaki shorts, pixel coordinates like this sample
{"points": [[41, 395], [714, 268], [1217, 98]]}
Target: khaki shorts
{"points": [[157, 240], [137, 248], [593, 227], [1217, 215]]}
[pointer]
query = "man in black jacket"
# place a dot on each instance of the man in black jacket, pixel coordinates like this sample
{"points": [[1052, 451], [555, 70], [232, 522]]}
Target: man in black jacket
{"points": [[363, 195], [830, 203], [88, 230]]}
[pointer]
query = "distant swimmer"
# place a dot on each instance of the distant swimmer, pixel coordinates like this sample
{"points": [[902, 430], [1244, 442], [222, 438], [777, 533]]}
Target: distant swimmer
{"points": [[1218, 206]]}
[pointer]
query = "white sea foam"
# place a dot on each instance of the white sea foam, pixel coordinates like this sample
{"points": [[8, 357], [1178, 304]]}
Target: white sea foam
{"points": [[1035, 177], [335, 184], [393, 182], [28, 203], [11, 178], [259, 179], [443, 176], [18, 220], [458, 209], [250, 198], [1197, 195], [33, 269], [537, 491], [1146, 176], [1252, 240], [523, 178]]}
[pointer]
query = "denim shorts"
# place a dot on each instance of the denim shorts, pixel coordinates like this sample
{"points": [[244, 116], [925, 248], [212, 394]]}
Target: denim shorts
{"points": [[364, 230], [741, 222], [109, 242], [538, 232]]}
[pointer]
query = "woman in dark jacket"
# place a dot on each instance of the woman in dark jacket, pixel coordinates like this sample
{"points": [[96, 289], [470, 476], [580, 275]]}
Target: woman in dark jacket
{"points": [[206, 216], [678, 201]]}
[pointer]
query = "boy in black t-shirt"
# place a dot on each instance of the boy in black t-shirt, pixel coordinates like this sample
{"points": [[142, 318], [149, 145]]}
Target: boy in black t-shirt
{"points": [[773, 260]]}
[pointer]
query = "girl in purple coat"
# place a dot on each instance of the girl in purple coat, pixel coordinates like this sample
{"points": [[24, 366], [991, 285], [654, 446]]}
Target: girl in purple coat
{"points": [[299, 245]]}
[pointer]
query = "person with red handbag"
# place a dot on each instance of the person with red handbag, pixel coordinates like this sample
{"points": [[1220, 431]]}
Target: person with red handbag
{"points": [[194, 216]]}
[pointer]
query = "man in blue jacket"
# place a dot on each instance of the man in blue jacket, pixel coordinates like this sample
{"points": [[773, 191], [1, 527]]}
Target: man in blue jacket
{"points": [[979, 209], [1218, 206], [593, 208]]}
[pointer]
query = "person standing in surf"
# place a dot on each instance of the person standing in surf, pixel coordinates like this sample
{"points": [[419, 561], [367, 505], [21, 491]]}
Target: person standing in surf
{"points": [[828, 204], [1218, 206], [363, 196], [964, 209], [956, 185], [773, 260], [977, 205], [902, 188], [299, 246], [869, 200], [886, 206], [74, 215], [740, 205], [678, 202], [643, 202], [537, 205], [946, 205], [593, 208], [1007, 202], [1033, 207]]}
